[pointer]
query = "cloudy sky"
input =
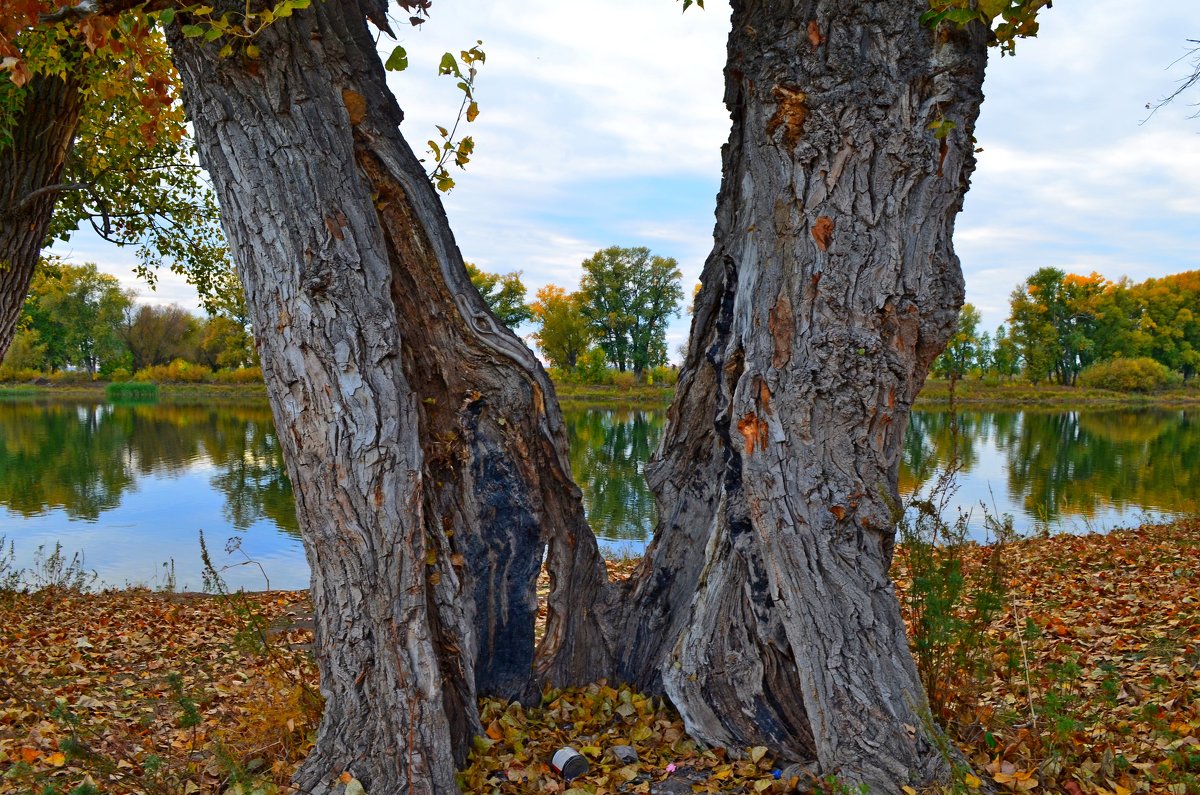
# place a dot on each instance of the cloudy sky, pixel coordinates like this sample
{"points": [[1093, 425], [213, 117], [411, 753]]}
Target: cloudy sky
{"points": [[602, 124]]}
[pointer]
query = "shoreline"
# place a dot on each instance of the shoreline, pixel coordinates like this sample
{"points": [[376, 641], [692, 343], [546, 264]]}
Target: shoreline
{"points": [[969, 394]]}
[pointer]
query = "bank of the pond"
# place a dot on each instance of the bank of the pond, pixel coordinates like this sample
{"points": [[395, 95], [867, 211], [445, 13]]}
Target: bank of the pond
{"points": [[1091, 687], [969, 393], [975, 394], [97, 391]]}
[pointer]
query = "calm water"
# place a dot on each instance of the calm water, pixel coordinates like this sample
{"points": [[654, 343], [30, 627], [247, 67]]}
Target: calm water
{"points": [[132, 486]]}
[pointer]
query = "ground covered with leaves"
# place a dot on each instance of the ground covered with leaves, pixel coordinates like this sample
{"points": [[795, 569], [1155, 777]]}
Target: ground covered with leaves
{"points": [[1088, 684]]}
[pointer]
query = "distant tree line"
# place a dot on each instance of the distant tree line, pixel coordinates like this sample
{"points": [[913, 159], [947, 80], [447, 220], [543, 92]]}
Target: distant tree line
{"points": [[79, 320], [1066, 329], [616, 320]]}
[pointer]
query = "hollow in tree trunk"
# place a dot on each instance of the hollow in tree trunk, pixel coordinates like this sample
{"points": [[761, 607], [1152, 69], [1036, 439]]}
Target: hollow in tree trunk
{"points": [[427, 453]]}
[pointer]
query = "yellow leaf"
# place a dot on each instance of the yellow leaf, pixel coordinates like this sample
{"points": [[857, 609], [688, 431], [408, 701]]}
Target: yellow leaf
{"points": [[58, 759], [909, 790], [757, 753], [972, 781]]}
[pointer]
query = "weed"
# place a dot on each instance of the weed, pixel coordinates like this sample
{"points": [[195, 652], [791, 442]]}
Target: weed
{"points": [[131, 392], [952, 599]]}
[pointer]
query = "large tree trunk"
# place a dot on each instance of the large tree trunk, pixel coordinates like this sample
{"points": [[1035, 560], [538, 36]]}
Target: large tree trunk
{"points": [[30, 166], [426, 451], [764, 609]]}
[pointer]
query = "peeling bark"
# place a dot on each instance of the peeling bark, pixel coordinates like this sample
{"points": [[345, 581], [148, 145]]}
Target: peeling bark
{"points": [[764, 608], [426, 450]]}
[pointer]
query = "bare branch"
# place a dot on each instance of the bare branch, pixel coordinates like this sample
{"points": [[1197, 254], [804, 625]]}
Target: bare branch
{"points": [[1185, 84]]}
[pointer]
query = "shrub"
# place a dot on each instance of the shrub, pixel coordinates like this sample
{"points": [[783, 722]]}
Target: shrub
{"points": [[14, 375], [239, 375], [1127, 375], [591, 367], [177, 372], [120, 374], [624, 381], [70, 377], [131, 390], [665, 376]]}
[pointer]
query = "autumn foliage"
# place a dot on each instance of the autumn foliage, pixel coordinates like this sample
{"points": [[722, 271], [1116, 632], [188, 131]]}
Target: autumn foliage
{"points": [[1091, 686]]}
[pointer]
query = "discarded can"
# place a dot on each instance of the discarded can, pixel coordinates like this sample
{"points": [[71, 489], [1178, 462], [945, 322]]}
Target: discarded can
{"points": [[569, 763]]}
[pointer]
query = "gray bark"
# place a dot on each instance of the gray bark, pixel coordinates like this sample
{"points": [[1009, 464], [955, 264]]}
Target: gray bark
{"points": [[29, 169], [427, 453], [764, 608]]}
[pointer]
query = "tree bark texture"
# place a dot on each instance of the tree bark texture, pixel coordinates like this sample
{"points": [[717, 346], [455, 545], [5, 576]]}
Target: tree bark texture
{"points": [[764, 608], [42, 136], [427, 453]]}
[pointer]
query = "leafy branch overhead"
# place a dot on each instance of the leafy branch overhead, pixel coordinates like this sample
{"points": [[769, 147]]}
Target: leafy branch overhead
{"points": [[1009, 20], [448, 147]]}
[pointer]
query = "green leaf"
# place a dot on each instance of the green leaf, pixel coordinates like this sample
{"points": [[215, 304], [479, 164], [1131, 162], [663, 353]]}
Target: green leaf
{"points": [[192, 31], [993, 8], [166, 16], [449, 66], [397, 61]]}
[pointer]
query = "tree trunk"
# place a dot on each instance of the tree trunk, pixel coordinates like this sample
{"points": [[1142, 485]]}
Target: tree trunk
{"points": [[42, 135], [426, 450], [764, 607]]}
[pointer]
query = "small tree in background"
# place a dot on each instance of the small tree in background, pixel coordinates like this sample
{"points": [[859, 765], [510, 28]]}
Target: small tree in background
{"points": [[563, 334], [629, 296], [503, 293]]}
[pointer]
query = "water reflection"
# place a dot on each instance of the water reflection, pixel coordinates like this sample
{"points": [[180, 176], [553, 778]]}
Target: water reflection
{"points": [[134, 483], [1051, 468], [82, 458], [609, 451]]}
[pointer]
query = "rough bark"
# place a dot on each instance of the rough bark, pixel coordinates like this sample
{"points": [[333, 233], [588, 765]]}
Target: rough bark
{"points": [[427, 454], [764, 608], [29, 168]]}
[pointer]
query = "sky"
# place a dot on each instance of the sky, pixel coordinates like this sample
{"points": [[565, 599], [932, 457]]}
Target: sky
{"points": [[601, 124]]}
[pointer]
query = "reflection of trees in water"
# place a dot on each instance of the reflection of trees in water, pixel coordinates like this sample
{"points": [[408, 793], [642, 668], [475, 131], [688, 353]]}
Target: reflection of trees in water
{"points": [[609, 451], [1075, 463], [930, 442], [1069, 463], [82, 457]]}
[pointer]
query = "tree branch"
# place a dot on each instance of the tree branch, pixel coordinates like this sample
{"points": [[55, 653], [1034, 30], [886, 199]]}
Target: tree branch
{"points": [[33, 196]]}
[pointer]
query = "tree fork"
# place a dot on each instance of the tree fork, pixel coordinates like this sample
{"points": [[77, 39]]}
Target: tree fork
{"points": [[764, 608]]}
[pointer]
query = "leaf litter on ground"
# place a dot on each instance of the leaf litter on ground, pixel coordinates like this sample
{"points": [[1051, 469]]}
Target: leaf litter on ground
{"points": [[1091, 688]]}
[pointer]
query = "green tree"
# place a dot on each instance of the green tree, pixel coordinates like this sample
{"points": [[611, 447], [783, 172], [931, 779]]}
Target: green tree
{"points": [[78, 312], [503, 293], [1006, 358], [92, 134], [1167, 312], [157, 335], [629, 296], [1053, 320], [224, 343], [563, 333], [962, 352]]}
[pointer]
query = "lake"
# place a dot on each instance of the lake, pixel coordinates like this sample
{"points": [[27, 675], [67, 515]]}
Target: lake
{"points": [[132, 486]]}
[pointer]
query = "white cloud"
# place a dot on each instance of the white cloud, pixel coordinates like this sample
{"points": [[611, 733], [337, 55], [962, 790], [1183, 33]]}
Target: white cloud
{"points": [[602, 123]]}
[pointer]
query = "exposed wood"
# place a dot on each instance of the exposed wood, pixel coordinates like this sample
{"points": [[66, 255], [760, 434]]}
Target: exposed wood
{"points": [[426, 451]]}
